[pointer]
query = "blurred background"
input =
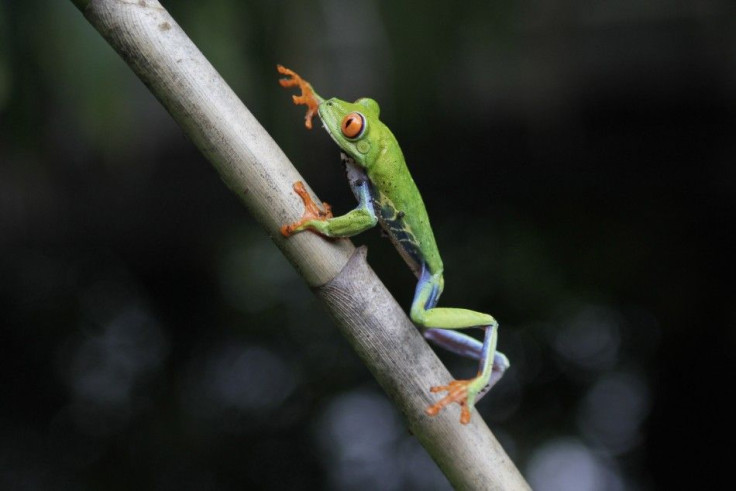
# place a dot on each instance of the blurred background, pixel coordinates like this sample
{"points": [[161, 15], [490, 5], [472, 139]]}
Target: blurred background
{"points": [[577, 161]]}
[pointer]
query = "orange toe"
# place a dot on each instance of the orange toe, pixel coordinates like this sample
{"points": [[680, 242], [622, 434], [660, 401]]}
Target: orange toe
{"points": [[457, 392], [308, 96], [311, 210]]}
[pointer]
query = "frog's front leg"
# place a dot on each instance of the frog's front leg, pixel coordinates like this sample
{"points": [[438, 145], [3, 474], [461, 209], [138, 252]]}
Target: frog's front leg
{"points": [[492, 364], [352, 223]]}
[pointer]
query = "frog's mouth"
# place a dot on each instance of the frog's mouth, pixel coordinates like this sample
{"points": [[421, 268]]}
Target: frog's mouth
{"points": [[324, 113], [324, 127], [327, 129]]}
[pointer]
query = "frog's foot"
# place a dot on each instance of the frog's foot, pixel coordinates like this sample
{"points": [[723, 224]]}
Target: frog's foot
{"points": [[308, 96], [311, 212], [462, 392]]}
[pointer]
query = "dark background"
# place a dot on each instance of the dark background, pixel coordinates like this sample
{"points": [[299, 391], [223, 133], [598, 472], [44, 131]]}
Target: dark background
{"points": [[577, 161]]}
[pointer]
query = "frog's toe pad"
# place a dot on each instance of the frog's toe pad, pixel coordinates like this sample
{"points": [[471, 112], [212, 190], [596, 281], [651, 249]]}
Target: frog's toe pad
{"points": [[457, 391]]}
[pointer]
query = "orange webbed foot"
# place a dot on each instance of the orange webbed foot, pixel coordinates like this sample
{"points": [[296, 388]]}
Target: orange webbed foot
{"points": [[308, 96], [457, 391], [311, 210]]}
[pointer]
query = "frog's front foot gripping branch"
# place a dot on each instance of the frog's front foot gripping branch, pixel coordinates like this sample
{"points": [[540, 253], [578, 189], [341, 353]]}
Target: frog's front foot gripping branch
{"points": [[308, 96], [312, 212]]}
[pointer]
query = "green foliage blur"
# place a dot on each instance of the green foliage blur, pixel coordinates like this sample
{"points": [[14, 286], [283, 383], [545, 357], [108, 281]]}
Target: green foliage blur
{"points": [[577, 161]]}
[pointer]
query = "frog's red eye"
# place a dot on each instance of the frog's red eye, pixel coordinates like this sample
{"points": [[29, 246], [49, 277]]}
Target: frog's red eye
{"points": [[352, 125]]}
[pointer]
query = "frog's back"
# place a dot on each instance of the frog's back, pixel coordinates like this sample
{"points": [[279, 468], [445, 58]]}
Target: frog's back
{"points": [[402, 214]]}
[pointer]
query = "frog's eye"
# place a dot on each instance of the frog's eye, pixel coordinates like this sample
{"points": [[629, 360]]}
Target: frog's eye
{"points": [[353, 125]]}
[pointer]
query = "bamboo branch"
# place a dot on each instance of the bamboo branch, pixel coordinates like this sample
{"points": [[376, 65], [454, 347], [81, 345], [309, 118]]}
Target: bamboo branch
{"points": [[257, 171]]}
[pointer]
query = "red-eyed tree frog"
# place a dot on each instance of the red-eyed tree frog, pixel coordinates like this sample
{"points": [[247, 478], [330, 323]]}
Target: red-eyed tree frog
{"points": [[387, 195]]}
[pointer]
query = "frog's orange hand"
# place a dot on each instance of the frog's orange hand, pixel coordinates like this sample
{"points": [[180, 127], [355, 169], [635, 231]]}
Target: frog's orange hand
{"points": [[311, 211], [457, 391], [308, 96]]}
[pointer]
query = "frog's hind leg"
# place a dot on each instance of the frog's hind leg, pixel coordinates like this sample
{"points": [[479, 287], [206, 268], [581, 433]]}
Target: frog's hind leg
{"points": [[436, 319]]}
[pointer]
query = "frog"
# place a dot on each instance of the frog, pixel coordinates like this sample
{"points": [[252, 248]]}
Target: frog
{"points": [[388, 196]]}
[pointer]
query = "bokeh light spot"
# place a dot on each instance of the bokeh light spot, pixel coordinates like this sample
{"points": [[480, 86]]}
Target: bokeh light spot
{"points": [[613, 410], [590, 339], [568, 465]]}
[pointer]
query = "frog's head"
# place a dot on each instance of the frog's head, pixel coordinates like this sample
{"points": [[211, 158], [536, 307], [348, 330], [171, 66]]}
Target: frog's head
{"points": [[354, 126]]}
